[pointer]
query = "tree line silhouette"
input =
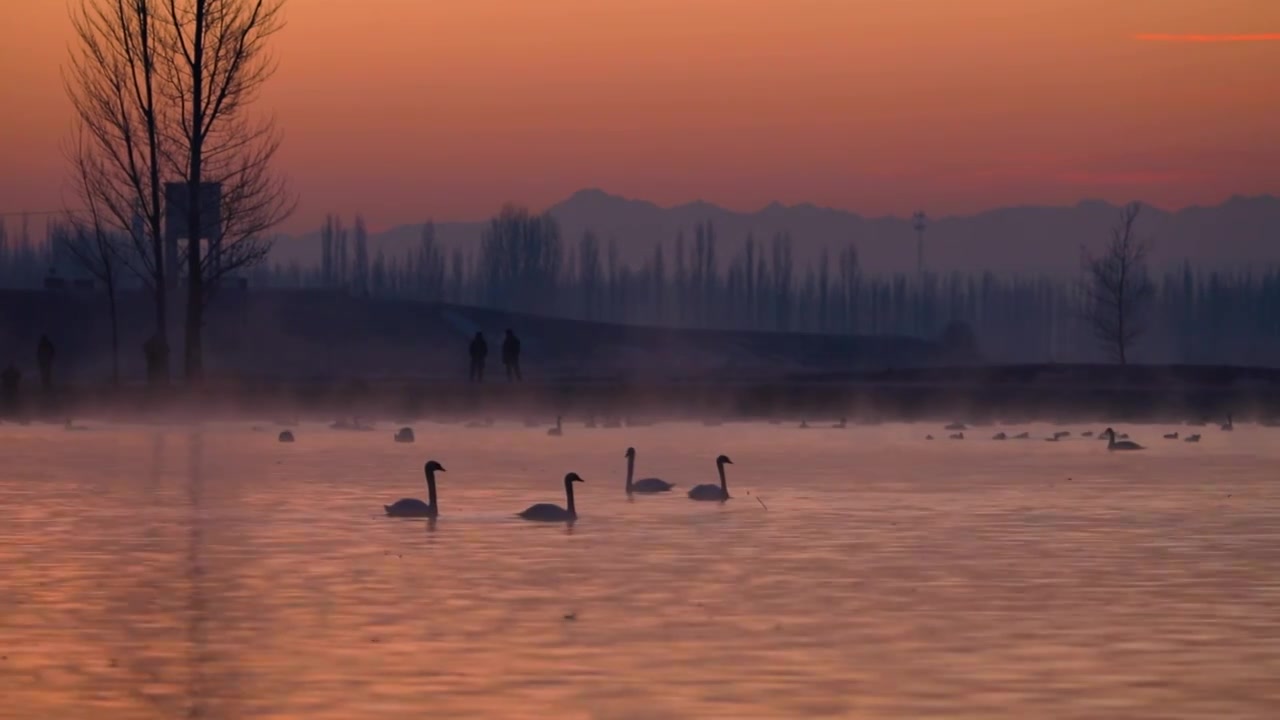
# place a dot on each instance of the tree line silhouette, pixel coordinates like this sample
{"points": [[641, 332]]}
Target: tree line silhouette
{"points": [[523, 264]]}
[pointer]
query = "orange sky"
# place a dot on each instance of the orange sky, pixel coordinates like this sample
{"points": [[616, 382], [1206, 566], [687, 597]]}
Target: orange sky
{"points": [[403, 109]]}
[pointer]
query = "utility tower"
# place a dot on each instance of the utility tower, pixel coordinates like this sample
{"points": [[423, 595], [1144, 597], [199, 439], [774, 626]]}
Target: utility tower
{"points": [[919, 221]]}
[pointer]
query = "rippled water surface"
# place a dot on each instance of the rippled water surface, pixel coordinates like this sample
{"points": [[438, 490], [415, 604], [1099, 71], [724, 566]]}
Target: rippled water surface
{"points": [[166, 572]]}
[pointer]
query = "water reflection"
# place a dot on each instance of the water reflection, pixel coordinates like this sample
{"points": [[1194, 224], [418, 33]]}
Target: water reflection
{"points": [[216, 573]]}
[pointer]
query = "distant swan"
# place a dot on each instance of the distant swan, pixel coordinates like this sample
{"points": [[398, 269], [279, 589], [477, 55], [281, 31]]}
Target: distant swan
{"points": [[804, 425], [718, 493], [956, 436], [556, 431], [1022, 436], [1192, 438], [1171, 436], [999, 436], [644, 485], [842, 424], [1229, 425], [956, 426], [404, 435], [412, 507], [1123, 445], [1061, 434], [285, 436], [546, 512], [1087, 433]]}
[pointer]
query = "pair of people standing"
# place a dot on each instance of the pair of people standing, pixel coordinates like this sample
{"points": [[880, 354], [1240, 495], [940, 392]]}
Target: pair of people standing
{"points": [[510, 356]]}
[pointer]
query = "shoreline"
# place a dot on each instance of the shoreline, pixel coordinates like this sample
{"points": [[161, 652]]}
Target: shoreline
{"points": [[981, 393]]}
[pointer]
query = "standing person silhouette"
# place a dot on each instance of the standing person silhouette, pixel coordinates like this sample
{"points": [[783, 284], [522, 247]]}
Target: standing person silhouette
{"points": [[511, 356], [44, 358], [479, 351]]}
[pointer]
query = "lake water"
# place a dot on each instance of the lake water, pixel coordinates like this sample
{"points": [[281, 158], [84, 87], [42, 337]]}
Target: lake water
{"points": [[167, 572]]}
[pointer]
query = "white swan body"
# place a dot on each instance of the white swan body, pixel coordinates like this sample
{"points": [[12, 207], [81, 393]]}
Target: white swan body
{"points": [[547, 512], [714, 493], [643, 485], [1122, 445], [413, 507]]}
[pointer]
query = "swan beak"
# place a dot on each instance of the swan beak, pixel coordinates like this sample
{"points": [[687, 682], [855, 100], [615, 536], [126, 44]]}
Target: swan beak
{"points": [[440, 469]]}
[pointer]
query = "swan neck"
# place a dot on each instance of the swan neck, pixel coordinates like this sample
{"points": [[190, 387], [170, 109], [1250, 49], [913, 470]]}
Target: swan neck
{"points": [[724, 484], [631, 468], [431, 489], [568, 491]]}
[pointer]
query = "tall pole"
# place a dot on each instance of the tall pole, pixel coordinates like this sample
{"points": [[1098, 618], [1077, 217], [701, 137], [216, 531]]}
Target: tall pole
{"points": [[919, 221]]}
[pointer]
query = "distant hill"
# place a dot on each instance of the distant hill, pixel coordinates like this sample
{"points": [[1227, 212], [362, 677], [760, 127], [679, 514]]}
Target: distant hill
{"points": [[1240, 233]]}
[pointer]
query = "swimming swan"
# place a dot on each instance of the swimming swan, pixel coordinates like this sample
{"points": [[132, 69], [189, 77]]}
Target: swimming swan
{"points": [[556, 431], [718, 493], [412, 507], [404, 435], [1229, 425], [1123, 445], [546, 512], [644, 485], [285, 436]]}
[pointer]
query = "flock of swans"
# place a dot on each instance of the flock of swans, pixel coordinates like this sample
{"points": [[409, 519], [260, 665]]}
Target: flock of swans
{"points": [[550, 512]]}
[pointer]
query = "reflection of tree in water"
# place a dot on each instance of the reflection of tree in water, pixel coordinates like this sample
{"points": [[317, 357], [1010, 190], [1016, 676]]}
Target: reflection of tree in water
{"points": [[197, 622]]}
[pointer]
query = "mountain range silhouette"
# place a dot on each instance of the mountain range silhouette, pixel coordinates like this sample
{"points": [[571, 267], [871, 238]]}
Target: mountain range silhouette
{"points": [[1239, 233]]}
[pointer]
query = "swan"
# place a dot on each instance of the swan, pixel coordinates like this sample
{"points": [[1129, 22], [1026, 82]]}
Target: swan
{"points": [[1171, 436], [1192, 438], [556, 431], [928, 437], [644, 485], [720, 492], [546, 512], [404, 435], [1123, 445], [956, 436], [412, 507], [956, 426], [999, 436], [1229, 425], [1061, 434], [285, 436], [842, 424], [1022, 436], [1087, 433], [804, 425]]}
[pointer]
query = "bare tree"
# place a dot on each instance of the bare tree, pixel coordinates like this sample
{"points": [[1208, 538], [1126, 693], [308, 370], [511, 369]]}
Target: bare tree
{"points": [[216, 62], [161, 90], [117, 154], [93, 243], [1119, 288]]}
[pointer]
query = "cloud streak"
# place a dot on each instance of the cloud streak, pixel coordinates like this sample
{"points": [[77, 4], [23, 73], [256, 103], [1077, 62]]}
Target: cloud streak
{"points": [[1208, 38]]}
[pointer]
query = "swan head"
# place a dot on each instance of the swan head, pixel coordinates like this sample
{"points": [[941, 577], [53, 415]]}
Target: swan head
{"points": [[724, 460], [631, 453], [1110, 432], [432, 466], [572, 478]]}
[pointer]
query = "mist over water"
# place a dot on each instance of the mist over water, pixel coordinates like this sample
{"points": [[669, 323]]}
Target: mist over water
{"points": [[209, 571]]}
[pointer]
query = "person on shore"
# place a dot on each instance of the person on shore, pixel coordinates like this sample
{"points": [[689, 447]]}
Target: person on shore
{"points": [[479, 351], [44, 358], [511, 356]]}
